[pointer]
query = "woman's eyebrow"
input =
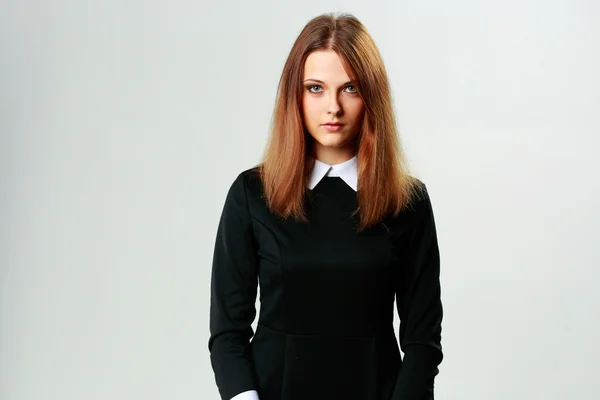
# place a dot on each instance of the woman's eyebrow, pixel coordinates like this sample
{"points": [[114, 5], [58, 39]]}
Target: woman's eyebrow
{"points": [[317, 80]]}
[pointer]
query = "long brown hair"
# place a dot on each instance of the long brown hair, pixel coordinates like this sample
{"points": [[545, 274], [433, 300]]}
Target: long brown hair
{"points": [[385, 185]]}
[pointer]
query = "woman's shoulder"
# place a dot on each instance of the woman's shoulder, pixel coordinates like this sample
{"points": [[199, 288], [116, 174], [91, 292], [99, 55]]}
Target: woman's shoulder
{"points": [[251, 172], [416, 194], [417, 201], [420, 208], [250, 176], [247, 182]]}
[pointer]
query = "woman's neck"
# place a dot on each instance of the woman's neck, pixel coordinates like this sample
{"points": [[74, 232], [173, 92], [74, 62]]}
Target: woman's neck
{"points": [[332, 155]]}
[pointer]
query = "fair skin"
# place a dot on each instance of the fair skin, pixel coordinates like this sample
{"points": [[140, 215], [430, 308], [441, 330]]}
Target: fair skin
{"points": [[329, 95]]}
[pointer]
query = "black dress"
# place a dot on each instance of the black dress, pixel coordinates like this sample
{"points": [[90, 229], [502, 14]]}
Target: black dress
{"points": [[325, 329]]}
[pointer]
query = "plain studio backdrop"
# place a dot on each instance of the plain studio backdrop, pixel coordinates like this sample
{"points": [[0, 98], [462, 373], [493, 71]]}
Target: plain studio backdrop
{"points": [[123, 124]]}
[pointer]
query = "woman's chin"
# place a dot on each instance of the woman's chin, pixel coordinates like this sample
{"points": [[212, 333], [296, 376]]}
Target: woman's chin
{"points": [[333, 142]]}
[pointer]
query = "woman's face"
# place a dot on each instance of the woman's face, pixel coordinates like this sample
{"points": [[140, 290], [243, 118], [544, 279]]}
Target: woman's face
{"points": [[329, 96]]}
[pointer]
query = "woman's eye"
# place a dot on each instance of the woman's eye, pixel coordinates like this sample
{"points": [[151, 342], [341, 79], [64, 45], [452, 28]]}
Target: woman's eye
{"points": [[311, 87]]}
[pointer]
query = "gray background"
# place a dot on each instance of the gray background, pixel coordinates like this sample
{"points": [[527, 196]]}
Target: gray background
{"points": [[123, 123]]}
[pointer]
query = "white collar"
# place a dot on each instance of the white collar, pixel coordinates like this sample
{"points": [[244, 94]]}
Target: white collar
{"points": [[347, 171]]}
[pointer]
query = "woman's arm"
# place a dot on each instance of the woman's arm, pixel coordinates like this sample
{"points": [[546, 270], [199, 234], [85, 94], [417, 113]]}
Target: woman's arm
{"points": [[233, 296], [419, 307]]}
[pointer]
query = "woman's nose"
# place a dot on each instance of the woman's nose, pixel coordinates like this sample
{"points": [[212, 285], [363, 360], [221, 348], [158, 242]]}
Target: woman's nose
{"points": [[334, 105]]}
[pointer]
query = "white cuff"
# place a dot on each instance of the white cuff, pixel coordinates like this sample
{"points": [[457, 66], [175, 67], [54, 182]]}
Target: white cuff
{"points": [[247, 395]]}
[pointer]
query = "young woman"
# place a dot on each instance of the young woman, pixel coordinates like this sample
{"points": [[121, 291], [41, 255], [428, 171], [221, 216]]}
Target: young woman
{"points": [[333, 228]]}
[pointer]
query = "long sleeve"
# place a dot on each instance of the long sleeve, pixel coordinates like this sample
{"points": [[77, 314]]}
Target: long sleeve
{"points": [[419, 307], [233, 296]]}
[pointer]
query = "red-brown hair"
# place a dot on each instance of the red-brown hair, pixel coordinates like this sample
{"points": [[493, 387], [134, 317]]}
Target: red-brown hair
{"points": [[385, 185]]}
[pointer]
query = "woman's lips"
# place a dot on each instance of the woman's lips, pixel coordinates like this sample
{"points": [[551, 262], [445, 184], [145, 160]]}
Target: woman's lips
{"points": [[333, 128]]}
